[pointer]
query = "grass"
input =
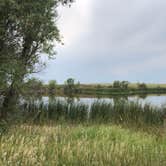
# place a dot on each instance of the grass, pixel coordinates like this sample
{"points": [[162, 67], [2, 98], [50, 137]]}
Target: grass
{"points": [[133, 89], [66, 144], [131, 85], [150, 85], [121, 111], [60, 133]]}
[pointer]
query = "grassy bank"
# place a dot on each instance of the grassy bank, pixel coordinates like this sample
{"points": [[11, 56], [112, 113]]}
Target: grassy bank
{"points": [[132, 89], [66, 144], [60, 133], [97, 89]]}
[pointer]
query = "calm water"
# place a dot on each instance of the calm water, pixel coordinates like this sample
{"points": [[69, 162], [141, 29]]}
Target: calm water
{"points": [[155, 100]]}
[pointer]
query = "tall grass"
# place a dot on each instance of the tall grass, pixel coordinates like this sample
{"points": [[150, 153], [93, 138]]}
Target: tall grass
{"points": [[49, 142], [79, 145], [127, 112], [56, 110]]}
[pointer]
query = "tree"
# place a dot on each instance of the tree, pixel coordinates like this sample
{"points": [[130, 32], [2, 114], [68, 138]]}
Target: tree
{"points": [[52, 86], [124, 84], [69, 86], [70, 82], [7, 44], [116, 84], [34, 85], [120, 84], [28, 28], [142, 86]]}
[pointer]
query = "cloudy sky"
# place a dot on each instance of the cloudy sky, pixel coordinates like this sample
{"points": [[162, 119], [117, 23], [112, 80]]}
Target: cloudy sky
{"points": [[111, 40]]}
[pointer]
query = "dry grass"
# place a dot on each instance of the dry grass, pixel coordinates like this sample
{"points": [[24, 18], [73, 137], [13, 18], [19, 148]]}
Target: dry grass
{"points": [[66, 144], [150, 85]]}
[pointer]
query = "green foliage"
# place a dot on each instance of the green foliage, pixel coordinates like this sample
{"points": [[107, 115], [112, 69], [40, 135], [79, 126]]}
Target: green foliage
{"points": [[3, 127], [52, 86], [122, 84], [27, 30], [33, 85], [70, 82], [116, 84], [142, 86], [69, 86]]}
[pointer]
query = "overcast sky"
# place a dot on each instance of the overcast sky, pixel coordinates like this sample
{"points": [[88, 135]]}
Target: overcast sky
{"points": [[111, 40]]}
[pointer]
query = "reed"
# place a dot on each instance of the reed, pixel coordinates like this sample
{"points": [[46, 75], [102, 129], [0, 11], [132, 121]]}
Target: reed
{"points": [[127, 112], [119, 112], [56, 110]]}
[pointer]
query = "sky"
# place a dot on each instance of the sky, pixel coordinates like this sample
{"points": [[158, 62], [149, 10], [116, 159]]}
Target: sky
{"points": [[110, 40]]}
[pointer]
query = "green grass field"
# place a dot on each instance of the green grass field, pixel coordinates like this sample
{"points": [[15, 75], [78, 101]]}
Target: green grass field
{"points": [[73, 145]]}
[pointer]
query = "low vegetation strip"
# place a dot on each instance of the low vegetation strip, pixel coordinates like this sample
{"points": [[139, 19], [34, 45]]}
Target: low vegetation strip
{"points": [[71, 87], [119, 91]]}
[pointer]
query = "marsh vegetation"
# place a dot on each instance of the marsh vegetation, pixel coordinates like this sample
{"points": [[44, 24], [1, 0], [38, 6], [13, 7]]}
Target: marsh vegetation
{"points": [[119, 111], [58, 132]]}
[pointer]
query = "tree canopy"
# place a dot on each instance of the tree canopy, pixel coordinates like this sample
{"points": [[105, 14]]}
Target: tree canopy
{"points": [[27, 31]]}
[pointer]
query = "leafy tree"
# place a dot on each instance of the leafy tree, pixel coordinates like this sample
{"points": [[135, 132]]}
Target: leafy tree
{"points": [[34, 85], [124, 84], [52, 86], [142, 85], [69, 85], [120, 84], [116, 84], [70, 81], [7, 45], [28, 28]]}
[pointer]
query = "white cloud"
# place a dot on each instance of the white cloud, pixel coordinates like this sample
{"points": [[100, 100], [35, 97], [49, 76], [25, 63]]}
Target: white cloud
{"points": [[148, 66], [74, 21], [112, 39]]}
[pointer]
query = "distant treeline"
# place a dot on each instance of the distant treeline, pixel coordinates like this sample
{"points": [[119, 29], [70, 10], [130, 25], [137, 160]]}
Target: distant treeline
{"points": [[70, 86]]}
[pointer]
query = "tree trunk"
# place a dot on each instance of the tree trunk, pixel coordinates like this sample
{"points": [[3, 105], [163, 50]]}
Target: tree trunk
{"points": [[9, 102], [12, 94]]}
